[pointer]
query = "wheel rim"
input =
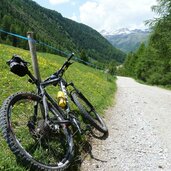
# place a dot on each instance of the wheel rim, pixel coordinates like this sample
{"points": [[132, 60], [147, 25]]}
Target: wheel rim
{"points": [[46, 147], [95, 118]]}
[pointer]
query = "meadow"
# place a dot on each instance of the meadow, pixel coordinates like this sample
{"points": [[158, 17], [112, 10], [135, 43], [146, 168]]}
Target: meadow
{"points": [[96, 85]]}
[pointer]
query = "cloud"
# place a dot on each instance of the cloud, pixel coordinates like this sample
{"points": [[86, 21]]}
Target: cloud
{"points": [[114, 14], [54, 2], [92, 13]]}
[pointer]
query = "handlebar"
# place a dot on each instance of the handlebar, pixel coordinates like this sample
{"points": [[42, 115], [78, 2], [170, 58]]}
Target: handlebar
{"points": [[54, 78], [65, 65], [70, 56], [62, 69]]}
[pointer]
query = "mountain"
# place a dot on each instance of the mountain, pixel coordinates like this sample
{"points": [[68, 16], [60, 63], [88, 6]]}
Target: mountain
{"points": [[116, 32], [20, 16], [125, 39]]}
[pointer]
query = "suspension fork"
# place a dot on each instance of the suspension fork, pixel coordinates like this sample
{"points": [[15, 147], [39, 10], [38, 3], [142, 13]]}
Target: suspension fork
{"points": [[35, 111], [44, 107]]}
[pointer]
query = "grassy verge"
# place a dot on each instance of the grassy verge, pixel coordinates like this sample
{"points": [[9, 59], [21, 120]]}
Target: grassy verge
{"points": [[96, 86], [167, 87]]}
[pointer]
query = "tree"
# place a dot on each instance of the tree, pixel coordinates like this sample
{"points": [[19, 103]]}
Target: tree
{"points": [[112, 67], [163, 8], [83, 56], [6, 23], [13, 38], [152, 63]]}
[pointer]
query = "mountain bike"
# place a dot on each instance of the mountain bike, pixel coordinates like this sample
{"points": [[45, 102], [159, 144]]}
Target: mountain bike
{"points": [[37, 128]]}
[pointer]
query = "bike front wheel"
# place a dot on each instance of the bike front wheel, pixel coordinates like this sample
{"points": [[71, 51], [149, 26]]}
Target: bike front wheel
{"points": [[88, 111], [39, 145]]}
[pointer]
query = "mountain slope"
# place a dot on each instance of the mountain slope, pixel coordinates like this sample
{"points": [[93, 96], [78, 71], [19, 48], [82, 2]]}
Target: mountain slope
{"points": [[94, 84], [127, 40], [22, 15]]}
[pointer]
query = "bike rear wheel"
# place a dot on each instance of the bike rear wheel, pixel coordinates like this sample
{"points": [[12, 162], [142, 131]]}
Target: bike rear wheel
{"points": [[88, 111], [38, 145]]}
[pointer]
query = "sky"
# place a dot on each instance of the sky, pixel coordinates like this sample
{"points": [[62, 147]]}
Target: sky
{"points": [[106, 15]]}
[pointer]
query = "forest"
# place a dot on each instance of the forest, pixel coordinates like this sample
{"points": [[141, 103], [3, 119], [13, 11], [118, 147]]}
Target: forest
{"points": [[21, 16], [151, 63]]}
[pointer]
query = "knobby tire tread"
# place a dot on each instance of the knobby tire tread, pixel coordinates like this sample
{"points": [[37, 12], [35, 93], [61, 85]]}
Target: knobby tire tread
{"points": [[101, 126], [17, 150]]}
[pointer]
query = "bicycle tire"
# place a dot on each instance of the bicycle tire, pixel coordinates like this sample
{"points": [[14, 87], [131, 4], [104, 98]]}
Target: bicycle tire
{"points": [[88, 111], [35, 154]]}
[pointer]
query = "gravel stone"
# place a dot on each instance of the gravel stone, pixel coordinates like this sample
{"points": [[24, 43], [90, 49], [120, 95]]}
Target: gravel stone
{"points": [[139, 131]]}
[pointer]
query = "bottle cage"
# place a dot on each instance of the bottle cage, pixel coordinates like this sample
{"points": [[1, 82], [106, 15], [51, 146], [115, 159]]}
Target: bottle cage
{"points": [[18, 66]]}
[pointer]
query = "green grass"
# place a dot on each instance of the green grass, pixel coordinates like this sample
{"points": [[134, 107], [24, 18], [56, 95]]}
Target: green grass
{"points": [[166, 87], [98, 87]]}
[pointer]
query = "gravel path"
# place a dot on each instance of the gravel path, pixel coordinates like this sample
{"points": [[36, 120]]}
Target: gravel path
{"points": [[139, 131]]}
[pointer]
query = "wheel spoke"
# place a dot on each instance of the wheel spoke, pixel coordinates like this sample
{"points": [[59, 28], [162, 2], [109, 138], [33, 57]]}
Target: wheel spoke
{"points": [[38, 142]]}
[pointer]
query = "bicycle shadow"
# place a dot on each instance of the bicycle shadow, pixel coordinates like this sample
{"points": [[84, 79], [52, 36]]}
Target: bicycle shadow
{"points": [[84, 151], [81, 152], [76, 165]]}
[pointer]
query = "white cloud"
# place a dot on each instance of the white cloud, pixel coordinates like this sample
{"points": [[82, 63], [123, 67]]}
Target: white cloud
{"points": [[114, 14], [92, 13], [54, 2]]}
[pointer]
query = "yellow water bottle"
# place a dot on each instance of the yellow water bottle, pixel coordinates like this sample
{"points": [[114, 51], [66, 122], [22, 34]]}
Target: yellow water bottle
{"points": [[61, 99]]}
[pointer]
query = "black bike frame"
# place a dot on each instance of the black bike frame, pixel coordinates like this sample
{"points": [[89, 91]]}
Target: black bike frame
{"points": [[56, 80], [46, 97]]}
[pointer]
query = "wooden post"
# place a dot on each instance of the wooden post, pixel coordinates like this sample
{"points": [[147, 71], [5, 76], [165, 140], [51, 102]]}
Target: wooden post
{"points": [[32, 47]]}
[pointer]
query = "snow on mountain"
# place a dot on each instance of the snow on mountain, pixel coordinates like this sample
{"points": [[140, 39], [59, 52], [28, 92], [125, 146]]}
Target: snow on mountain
{"points": [[122, 31], [125, 39], [104, 33]]}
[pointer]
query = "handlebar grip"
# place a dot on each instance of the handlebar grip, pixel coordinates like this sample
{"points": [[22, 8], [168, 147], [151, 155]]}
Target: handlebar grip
{"points": [[61, 70]]}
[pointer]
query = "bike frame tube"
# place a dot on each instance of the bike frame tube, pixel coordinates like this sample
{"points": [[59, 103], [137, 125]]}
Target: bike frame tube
{"points": [[45, 96], [44, 103]]}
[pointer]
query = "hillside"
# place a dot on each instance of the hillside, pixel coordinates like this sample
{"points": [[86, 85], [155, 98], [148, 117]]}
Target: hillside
{"points": [[94, 84], [20, 16], [151, 63], [127, 40]]}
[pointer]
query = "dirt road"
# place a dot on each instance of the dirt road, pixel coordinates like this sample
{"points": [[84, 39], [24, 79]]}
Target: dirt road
{"points": [[139, 131]]}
